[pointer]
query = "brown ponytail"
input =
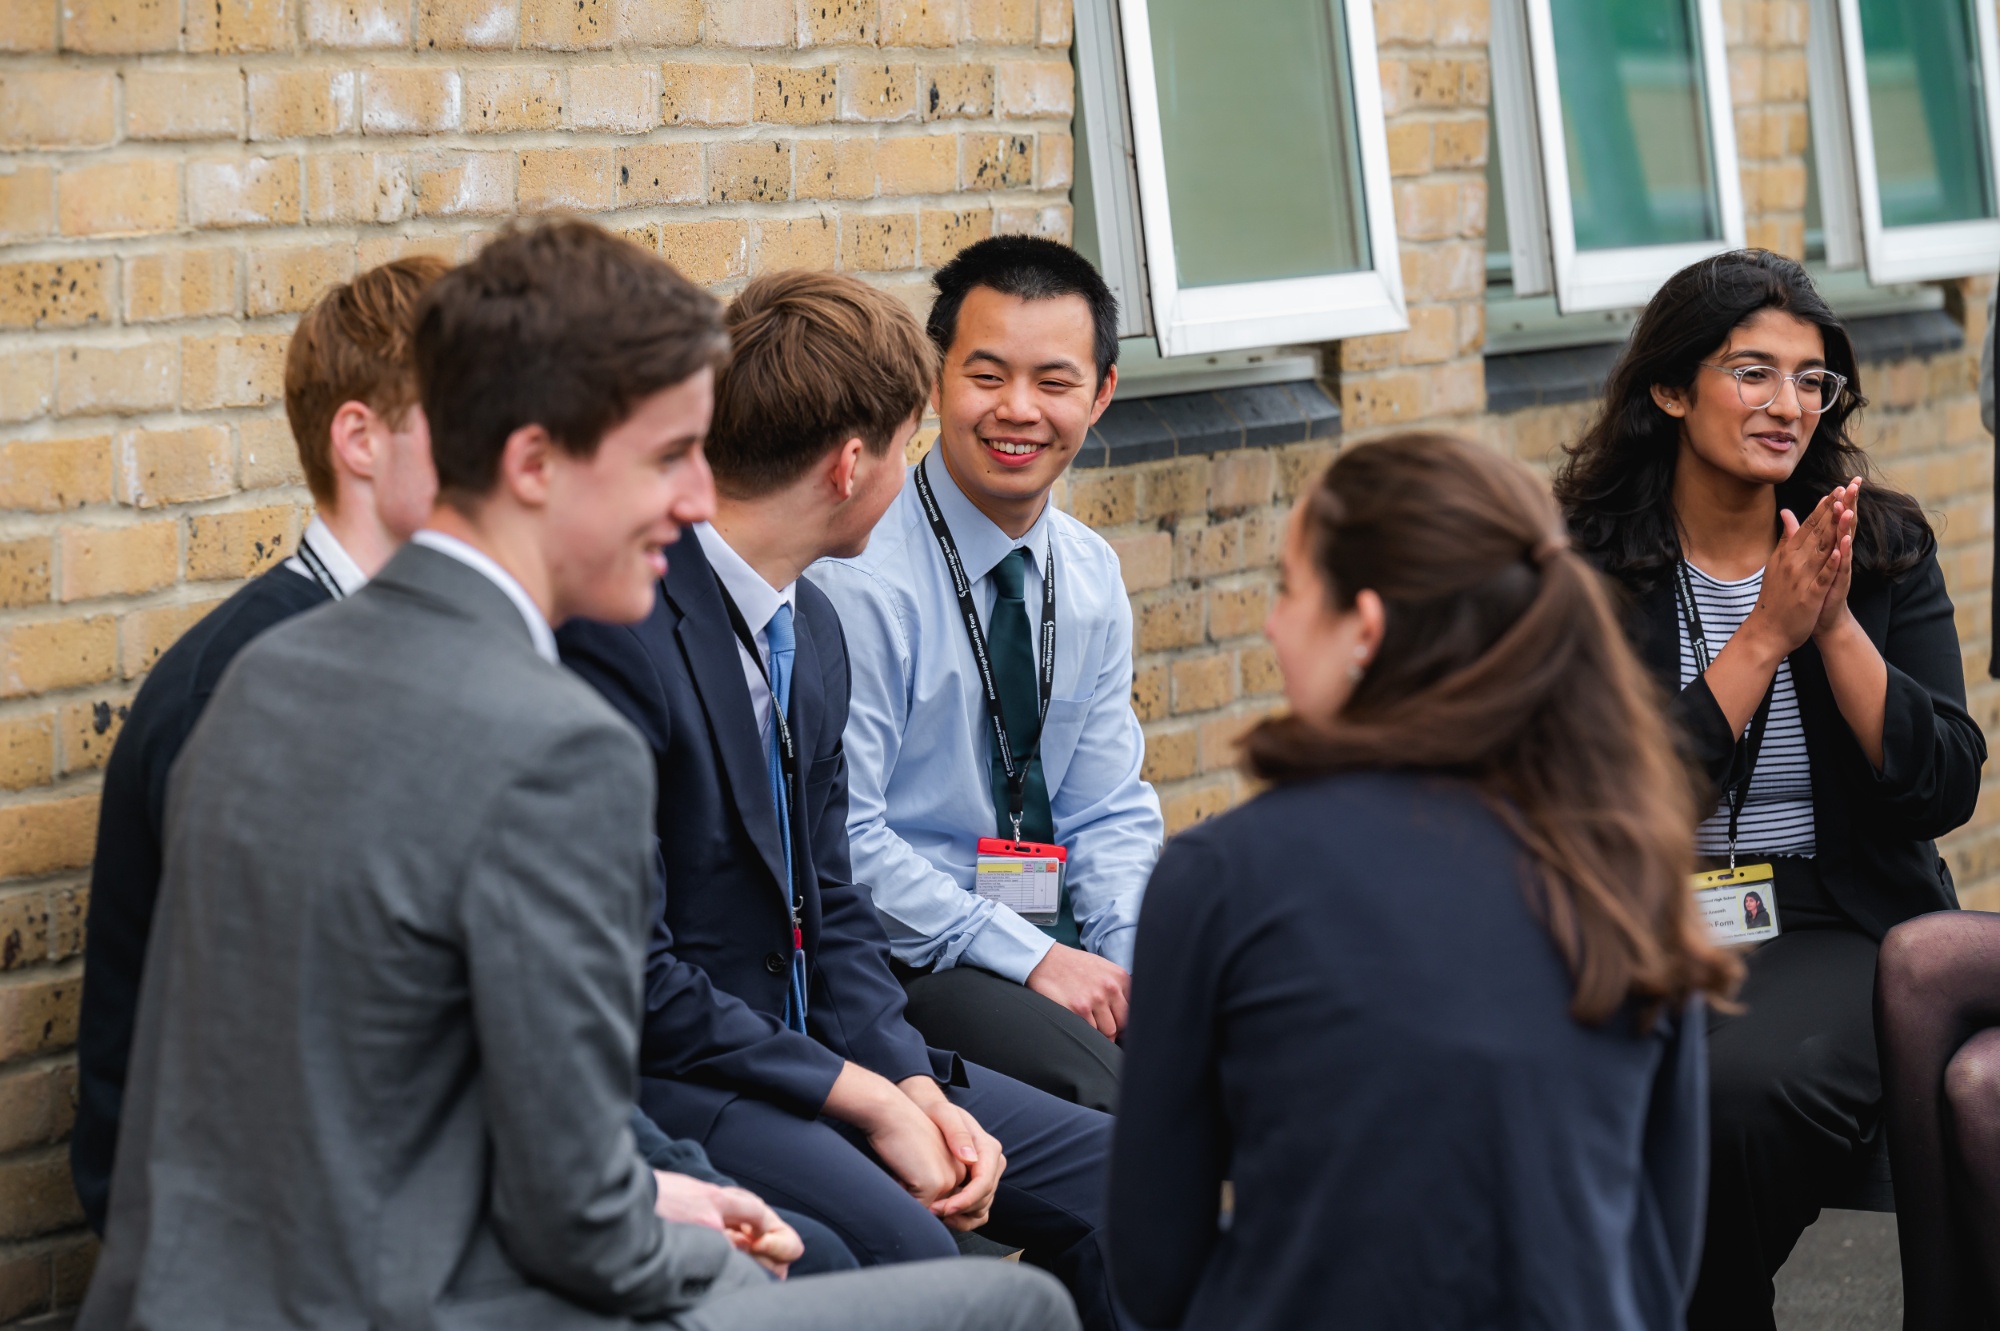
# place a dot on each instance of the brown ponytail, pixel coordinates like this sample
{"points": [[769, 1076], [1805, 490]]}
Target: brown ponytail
{"points": [[1502, 661]]}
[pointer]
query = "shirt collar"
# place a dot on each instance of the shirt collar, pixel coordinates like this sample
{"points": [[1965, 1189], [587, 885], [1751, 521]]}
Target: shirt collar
{"points": [[347, 574], [756, 598], [981, 544], [538, 627]]}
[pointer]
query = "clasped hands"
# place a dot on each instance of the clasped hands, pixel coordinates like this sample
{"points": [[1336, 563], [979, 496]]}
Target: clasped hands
{"points": [[936, 1150], [750, 1225], [1807, 577]]}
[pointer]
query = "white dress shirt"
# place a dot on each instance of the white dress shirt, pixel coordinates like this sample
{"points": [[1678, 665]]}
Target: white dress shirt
{"points": [[333, 556], [539, 631], [918, 739], [758, 601]]}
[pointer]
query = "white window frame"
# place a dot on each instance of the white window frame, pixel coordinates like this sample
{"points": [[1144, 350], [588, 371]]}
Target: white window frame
{"points": [[1844, 150], [1200, 320], [1534, 164]]}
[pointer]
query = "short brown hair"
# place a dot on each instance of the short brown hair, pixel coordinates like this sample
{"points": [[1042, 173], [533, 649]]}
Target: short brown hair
{"points": [[353, 345], [818, 358], [561, 325]]}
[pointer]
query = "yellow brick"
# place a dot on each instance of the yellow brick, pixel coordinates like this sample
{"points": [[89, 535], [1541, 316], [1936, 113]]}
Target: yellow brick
{"points": [[120, 27], [240, 543], [1035, 88], [567, 179], [649, 23], [48, 475], [705, 94], [752, 23], [28, 25], [946, 231], [375, 250], [568, 25], [749, 172], [27, 203], [1098, 498], [1203, 683], [358, 187], [27, 751], [43, 838], [153, 467], [840, 23], [620, 99], [957, 92], [794, 95], [659, 173], [1052, 223], [707, 251], [878, 244], [239, 26], [410, 100], [919, 23], [57, 654], [478, 24], [1001, 22], [805, 242], [27, 384], [921, 164], [270, 458], [1235, 612], [232, 371], [184, 104], [291, 278], [1054, 161], [1184, 808], [146, 634], [357, 24], [118, 198], [997, 161], [56, 108], [874, 90], [61, 293], [89, 730], [24, 575], [1461, 144], [1056, 22], [243, 191], [180, 284], [1411, 144], [115, 379], [1145, 563], [646, 235], [513, 97], [1171, 755], [840, 168], [457, 184], [119, 561], [1149, 692], [301, 103]]}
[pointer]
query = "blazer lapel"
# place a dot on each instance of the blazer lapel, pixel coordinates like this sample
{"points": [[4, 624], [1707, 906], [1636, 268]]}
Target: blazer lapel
{"points": [[709, 644]]}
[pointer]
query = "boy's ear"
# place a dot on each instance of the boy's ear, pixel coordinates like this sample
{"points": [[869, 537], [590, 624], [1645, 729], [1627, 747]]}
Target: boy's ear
{"points": [[846, 462], [525, 463], [1104, 392], [352, 440]]}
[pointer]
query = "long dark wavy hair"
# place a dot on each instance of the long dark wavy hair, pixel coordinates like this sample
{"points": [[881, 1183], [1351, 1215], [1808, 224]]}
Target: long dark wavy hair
{"points": [[1616, 482], [1502, 662]]}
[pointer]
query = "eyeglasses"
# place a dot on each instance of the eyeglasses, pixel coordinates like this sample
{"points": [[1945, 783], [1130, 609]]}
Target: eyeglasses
{"points": [[1758, 386]]}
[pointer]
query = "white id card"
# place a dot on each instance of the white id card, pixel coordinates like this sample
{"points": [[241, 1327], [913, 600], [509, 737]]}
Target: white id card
{"points": [[1739, 905], [1024, 876]]}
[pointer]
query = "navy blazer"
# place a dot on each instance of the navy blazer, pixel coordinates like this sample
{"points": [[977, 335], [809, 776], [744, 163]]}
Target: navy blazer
{"points": [[716, 971]]}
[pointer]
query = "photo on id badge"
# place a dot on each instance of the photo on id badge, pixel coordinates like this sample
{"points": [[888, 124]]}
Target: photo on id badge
{"points": [[1739, 905]]}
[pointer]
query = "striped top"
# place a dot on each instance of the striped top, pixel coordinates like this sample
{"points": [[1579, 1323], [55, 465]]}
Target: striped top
{"points": [[1778, 815]]}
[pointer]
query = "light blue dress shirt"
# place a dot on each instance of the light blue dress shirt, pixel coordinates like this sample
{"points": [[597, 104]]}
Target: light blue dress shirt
{"points": [[917, 739]]}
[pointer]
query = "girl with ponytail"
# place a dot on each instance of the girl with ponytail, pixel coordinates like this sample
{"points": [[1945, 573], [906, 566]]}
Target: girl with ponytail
{"points": [[1432, 1002]]}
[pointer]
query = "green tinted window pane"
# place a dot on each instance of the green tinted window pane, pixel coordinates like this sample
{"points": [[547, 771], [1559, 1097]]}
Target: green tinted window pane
{"points": [[1082, 202], [1499, 248], [1256, 113], [1926, 111], [1635, 123]]}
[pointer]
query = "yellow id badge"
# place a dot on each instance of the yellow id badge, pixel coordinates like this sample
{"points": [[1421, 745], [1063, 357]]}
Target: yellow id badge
{"points": [[1024, 876], [1739, 905]]}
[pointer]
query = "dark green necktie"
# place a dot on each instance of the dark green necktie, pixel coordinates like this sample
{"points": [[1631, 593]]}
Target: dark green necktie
{"points": [[1010, 638]]}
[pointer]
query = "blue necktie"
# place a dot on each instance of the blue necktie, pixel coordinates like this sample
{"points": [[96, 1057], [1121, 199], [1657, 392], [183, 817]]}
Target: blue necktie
{"points": [[778, 633]]}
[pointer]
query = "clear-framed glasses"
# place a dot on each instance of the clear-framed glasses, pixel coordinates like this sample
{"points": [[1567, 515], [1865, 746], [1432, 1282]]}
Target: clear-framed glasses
{"points": [[1758, 386]]}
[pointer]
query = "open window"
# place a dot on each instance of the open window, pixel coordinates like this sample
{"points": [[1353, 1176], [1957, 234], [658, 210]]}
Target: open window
{"points": [[1232, 171], [1905, 105], [1617, 145]]}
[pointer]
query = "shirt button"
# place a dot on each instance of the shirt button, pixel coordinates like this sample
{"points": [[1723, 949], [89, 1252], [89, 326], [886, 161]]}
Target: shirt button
{"points": [[774, 963]]}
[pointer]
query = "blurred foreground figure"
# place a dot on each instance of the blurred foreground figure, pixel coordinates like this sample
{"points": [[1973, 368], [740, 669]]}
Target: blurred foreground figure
{"points": [[1433, 1004]]}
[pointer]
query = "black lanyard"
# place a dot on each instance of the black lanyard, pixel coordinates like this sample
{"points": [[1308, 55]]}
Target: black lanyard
{"points": [[317, 570], [788, 758], [1015, 770], [1753, 737]]}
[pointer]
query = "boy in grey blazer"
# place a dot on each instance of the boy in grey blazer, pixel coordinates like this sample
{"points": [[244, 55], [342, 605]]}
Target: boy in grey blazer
{"points": [[387, 1028]]}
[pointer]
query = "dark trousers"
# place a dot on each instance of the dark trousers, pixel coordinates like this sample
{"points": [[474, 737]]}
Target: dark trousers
{"points": [[1050, 1201], [1795, 1097], [1013, 1030]]}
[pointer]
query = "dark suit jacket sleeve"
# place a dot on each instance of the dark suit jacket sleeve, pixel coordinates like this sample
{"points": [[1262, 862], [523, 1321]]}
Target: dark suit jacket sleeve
{"points": [[1674, 1210], [1932, 750], [693, 1031], [1169, 1153], [857, 1004], [673, 1153]]}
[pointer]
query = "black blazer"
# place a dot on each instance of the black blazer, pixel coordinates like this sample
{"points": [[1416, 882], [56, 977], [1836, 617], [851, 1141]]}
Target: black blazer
{"points": [[715, 978], [1875, 830]]}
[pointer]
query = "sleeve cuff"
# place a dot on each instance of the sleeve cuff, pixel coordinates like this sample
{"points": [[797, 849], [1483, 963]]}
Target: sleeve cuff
{"points": [[1008, 946], [1117, 945]]}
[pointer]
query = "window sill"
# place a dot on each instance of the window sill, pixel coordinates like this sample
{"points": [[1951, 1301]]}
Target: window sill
{"points": [[1194, 424]]}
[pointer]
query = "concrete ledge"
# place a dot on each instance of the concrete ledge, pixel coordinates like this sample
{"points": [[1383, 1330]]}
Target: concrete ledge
{"points": [[1892, 337], [1194, 424]]}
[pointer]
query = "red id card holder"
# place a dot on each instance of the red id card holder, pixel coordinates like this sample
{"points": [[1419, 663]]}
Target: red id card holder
{"points": [[1024, 876]]}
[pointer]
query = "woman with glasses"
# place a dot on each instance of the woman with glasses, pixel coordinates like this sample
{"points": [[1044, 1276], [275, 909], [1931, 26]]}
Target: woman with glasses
{"points": [[1796, 612]]}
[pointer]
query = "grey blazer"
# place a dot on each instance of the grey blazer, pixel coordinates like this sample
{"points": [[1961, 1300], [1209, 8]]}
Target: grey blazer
{"points": [[388, 1027]]}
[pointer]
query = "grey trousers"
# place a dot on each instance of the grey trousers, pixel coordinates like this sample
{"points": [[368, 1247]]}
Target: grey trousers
{"points": [[951, 1294]]}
